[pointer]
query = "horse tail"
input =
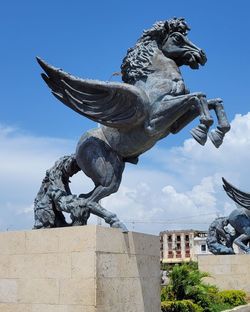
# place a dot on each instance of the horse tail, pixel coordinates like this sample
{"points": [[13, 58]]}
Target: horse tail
{"points": [[54, 184]]}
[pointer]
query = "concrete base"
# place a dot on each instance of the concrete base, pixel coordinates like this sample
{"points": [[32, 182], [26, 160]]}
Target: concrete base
{"points": [[79, 269], [227, 271]]}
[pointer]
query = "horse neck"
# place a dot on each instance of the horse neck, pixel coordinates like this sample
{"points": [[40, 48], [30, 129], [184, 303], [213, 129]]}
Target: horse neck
{"points": [[135, 65], [165, 66]]}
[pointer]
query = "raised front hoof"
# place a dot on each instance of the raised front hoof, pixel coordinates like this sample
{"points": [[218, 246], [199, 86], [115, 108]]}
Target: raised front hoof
{"points": [[216, 136], [119, 225], [199, 133]]}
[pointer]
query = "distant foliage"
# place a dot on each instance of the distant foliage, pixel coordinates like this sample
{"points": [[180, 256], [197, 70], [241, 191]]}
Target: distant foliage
{"points": [[180, 306], [233, 297]]}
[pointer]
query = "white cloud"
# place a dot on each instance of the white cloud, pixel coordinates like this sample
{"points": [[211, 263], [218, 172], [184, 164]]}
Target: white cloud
{"points": [[178, 187]]}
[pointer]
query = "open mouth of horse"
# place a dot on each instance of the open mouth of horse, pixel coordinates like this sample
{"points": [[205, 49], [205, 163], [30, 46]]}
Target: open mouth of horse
{"points": [[195, 58]]}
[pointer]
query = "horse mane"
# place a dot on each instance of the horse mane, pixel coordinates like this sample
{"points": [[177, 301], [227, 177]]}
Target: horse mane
{"points": [[136, 63]]}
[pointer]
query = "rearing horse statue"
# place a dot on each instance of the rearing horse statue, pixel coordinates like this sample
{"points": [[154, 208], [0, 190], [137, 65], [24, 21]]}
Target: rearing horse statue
{"points": [[152, 103]]}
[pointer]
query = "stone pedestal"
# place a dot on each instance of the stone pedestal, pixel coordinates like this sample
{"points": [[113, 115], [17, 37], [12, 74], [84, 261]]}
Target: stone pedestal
{"points": [[79, 269], [227, 271]]}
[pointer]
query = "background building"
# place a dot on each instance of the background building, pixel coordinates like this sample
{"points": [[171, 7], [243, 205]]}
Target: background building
{"points": [[182, 245]]}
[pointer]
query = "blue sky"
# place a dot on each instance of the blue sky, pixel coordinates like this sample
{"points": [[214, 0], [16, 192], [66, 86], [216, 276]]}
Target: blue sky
{"points": [[90, 39]]}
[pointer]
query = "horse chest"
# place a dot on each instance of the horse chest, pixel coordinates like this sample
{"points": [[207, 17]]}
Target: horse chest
{"points": [[165, 79]]}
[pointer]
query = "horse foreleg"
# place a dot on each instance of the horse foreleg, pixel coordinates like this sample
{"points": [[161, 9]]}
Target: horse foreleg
{"points": [[184, 120], [200, 132], [217, 135], [239, 242], [167, 111]]}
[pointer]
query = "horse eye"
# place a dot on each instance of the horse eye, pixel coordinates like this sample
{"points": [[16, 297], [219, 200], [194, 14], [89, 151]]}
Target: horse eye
{"points": [[178, 39]]}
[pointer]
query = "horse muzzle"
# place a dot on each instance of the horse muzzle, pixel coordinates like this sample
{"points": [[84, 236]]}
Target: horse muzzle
{"points": [[195, 58], [202, 58]]}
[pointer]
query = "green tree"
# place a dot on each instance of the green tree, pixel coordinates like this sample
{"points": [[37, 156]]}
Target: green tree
{"points": [[185, 282]]}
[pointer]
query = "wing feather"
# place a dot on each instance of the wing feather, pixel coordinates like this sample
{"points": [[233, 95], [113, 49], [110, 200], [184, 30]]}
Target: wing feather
{"points": [[116, 105], [240, 197]]}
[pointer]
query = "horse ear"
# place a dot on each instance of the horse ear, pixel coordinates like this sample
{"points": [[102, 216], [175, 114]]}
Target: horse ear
{"points": [[166, 26]]}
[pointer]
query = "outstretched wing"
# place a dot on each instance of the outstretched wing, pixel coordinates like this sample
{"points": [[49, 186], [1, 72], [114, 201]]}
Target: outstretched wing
{"points": [[117, 105], [241, 198]]}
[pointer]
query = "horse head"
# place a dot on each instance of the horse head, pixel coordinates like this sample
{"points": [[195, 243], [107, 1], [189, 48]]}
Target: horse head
{"points": [[168, 36], [178, 48]]}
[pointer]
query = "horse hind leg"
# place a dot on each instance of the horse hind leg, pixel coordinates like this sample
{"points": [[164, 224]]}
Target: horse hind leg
{"points": [[99, 162], [101, 191]]}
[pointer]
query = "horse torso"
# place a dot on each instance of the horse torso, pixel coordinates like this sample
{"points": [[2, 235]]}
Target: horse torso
{"points": [[165, 80], [126, 143], [130, 143]]}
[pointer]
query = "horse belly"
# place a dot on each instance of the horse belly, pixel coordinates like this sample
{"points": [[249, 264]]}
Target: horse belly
{"points": [[128, 143]]}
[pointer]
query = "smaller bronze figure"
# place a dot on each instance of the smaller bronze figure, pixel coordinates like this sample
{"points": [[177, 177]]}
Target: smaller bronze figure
{"points": [[219, 240]]}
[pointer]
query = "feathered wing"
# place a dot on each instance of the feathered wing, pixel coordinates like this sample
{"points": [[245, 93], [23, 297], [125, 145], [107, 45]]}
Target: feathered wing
{"points": [[117, 105], [241, 198]]}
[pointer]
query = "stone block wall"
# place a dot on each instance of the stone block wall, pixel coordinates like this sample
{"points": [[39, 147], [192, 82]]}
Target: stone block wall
{"points": [[79, 269], [227, 271]]}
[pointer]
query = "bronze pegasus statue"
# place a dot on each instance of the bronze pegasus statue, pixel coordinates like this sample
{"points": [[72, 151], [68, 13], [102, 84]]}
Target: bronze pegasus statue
{"points": [[151, 103], [220, 240]]}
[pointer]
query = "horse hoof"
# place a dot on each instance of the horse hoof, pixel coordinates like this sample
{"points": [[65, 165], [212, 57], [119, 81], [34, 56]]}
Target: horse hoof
{"points": [[199, 133], [119, 225], [216, 136]]}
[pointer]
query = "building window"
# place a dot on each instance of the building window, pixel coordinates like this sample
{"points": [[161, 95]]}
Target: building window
{"points": [[187, 245], [178, 246], [202, 234], [203, 248], [178, 238], [187, 254], [170, 254], [169, 245], [170, 238], [178, 254], [186, 238]]}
